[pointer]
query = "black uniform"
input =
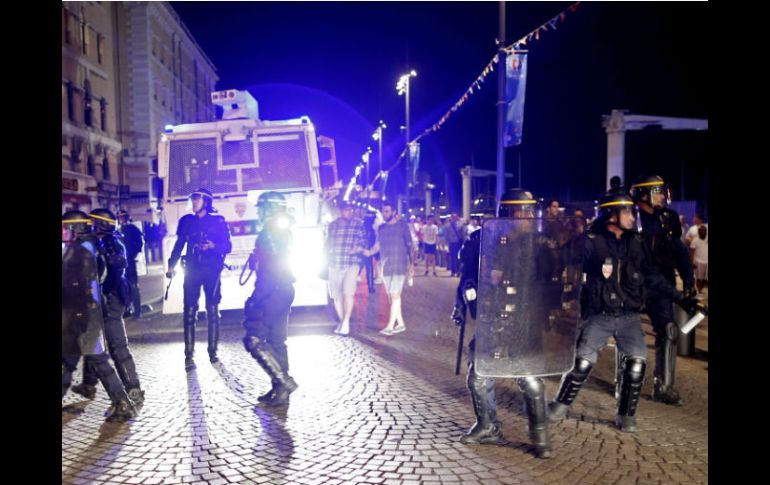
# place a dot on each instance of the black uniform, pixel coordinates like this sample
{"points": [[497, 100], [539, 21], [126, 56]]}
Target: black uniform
{"points": [[115, 291], [82, 326], [662, 232], [267, 309], [202, 268], [132, 238], [617, 274]]}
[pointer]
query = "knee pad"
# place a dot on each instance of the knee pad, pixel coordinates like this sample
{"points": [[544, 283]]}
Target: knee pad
{"points": [[532, 386], [582, 368], [672, 331], [252, 343], [633, 368], [190, 315]]}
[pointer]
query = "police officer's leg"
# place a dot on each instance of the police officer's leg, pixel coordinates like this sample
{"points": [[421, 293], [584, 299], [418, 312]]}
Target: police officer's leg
{"points": [[122, 408], [630, 338], [87, 388], [593, 337], [534, 401], [192, 289], [486, 429], [661, 312], [278, 329], [69, 363], [117, 343], [211, 290], [257, 324], [619, 357], [133, 282]]}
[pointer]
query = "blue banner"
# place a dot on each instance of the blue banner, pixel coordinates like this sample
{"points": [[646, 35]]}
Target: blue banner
{"points": [[515, 88]]}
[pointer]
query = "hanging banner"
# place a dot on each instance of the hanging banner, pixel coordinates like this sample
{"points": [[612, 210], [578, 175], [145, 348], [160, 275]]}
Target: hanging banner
{"points": [[515, 88], [414, 159]]}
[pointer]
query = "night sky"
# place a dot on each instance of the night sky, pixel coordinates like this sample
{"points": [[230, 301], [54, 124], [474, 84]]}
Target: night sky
{"points": [[339, 64]]}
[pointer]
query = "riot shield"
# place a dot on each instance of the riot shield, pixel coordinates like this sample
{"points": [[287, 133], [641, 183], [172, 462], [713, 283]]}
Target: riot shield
{"points": [[527, 311], [82, 321]]}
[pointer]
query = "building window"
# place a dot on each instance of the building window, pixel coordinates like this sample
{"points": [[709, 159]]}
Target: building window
{"points": [[103, 112], [70, 101], [100, 48], [90, 166], [87, 109], [67, 29], [83, 38], [106, 168]]}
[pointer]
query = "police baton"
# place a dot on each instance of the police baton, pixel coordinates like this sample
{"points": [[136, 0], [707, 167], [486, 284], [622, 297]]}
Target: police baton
{"points": [[168, 286]]}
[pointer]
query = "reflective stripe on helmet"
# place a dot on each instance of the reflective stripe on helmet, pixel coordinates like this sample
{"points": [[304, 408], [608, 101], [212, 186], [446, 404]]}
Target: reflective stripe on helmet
{"points": [[619, 202], [648, 184], [102, 218], [75, 221]]}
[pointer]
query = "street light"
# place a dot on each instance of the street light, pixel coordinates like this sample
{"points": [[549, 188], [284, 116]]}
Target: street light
{"points": [[377, 136], [365, 158], [403, 88]]}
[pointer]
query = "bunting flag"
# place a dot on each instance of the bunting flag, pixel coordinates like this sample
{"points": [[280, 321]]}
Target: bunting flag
{"points": [[516, 76]]}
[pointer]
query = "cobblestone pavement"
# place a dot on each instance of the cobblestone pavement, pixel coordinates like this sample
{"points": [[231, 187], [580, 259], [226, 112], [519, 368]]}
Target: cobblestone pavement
{"points": [[369, 409]]}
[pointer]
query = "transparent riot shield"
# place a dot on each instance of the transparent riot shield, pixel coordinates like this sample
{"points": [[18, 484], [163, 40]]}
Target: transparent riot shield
{"points": [[82, 317], [529, 284]]}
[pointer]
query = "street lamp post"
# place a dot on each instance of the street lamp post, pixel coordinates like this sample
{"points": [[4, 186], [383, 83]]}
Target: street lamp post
{"points": [[403, 88], [377, 136]]}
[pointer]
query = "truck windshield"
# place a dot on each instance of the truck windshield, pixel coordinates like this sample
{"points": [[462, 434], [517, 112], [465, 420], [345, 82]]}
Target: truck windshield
{"points": [[281, 162]]}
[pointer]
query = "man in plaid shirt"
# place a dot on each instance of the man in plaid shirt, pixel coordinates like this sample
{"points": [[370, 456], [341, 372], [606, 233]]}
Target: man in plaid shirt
{"points": [[346, 239]]}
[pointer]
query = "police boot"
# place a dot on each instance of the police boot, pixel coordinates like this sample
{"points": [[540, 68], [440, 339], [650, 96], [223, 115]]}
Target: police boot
{"points": [[534, 401], [568, 390], [665, 367], [120, 411], [265, 357], [122, 408], [85, 390], [630, 390], [269, 395], [190, 313], [486, 429], [212, 315]]}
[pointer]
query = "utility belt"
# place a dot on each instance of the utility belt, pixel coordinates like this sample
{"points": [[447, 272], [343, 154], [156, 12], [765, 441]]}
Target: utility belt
{"points": [[197, 263]]}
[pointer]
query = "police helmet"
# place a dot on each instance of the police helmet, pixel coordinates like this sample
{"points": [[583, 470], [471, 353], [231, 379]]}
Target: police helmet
{"points": [[646, 187], [517, 203], [612, 203], [208, 199], [74, 224], [270, 203], [103, 220], [123, 216]]}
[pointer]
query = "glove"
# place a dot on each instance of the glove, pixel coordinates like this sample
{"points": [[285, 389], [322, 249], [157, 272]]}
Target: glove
{"points": [[690, 305], [170, 274], [689, 291], [458, 315]]}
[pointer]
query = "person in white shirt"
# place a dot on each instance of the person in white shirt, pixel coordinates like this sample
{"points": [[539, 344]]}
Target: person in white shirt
{"points": [[430, 239], [699, 250], [692, 232]]}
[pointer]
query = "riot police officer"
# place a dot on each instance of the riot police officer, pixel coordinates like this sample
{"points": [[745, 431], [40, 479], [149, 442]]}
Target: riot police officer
{"points": [[207, 238], [617, 268], [267, 309], [115, 293], [82, 324], [519, 204], [662, 231], [133, 241]]}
